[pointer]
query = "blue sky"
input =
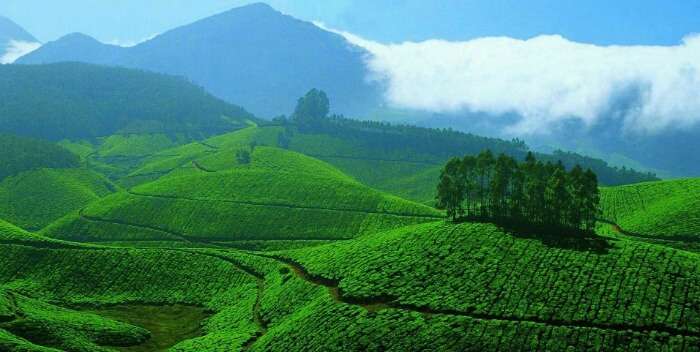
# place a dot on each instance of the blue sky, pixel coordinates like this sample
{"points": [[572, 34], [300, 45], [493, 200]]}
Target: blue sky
{"points": [[600, 22]]}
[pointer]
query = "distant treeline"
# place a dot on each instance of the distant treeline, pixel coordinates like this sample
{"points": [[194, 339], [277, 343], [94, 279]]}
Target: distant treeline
{"points": [[435, 145], [18, 154], [534, 192]]}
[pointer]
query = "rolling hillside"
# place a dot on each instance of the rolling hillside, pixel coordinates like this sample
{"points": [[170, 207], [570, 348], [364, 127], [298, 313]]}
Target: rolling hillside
{"points": [[252, 55], [476, 287], [81, 101], [74, 280], [401, 160], [427, 286], [34, 199], [278, 195], [19, 154], [666, 209]]}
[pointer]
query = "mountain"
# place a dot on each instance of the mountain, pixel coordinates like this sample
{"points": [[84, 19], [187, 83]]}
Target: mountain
{"points": [[14, 41], [252, 55], [74, 100], [11, 31]]}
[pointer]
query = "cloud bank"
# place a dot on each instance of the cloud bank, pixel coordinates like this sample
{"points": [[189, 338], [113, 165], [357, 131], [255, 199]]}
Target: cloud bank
{"points": [[16, 49], [545, 80]]}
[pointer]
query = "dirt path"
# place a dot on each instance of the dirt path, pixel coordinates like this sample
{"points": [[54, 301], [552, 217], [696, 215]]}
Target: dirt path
{"points": [[378, 303], [669, 238], [260, 282], [199, 167]]}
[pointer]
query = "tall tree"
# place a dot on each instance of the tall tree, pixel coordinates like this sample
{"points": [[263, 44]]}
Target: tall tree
{"points": [[312, 107], [556, 197], [450, 190]]}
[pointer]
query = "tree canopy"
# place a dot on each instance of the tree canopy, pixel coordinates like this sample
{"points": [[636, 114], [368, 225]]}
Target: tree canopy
{"points": [[490, 187], [311, 107]]}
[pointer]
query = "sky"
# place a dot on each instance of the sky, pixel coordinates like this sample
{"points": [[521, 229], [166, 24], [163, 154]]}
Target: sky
{"points": [[623, 22], [547, 61]]}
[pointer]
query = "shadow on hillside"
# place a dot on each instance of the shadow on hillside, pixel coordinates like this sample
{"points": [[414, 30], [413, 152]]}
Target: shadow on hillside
{"points": [[553, 236]]}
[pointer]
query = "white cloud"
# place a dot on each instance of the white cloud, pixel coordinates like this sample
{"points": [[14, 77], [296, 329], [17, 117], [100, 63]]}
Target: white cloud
{"points": [[546, 79], [16, 49]]}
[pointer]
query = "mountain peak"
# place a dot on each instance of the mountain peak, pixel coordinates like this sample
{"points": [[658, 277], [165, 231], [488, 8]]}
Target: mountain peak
{"points": [[9, 30], [77, 37]]}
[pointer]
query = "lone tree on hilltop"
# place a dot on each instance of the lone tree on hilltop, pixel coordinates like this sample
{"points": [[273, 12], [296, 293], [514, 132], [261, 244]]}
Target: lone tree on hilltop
{"points": [[311, 107]]}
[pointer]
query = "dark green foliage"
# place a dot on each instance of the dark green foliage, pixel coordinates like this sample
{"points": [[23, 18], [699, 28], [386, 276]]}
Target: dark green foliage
{"points": [[312, 107], [74, 101], [19, 154], [243, 156], [499, 188]]}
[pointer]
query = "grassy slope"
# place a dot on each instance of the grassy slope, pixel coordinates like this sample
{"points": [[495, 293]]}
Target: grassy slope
{"points": [[81, 275], [474, 287], [279, 195], [33, 199], [409, 175], [665, 209], [432, 286]]}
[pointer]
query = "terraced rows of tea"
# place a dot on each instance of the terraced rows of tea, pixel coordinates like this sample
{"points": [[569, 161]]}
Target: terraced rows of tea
{"points": [[481, 271], [665, 209], [280, 195], [435, 285]]}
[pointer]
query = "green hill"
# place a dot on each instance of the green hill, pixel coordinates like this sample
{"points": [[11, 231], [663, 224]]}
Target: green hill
{"points": [[19, 154], [475, 287], [67, 297], [81, 101], [33, 199], [432, 286], [401, 160], [279, 195], [666, 209]]}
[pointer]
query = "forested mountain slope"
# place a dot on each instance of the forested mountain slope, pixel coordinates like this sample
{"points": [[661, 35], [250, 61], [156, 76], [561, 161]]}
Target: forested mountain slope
{"points": [[76, 101]]}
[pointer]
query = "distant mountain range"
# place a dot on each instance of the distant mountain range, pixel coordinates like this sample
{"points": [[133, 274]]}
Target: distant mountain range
{"points": [[252, 55], [10, 35]]}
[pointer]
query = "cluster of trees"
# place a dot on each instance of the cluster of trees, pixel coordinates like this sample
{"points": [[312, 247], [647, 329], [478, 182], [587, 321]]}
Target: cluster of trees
{"points": [[501, 188]]}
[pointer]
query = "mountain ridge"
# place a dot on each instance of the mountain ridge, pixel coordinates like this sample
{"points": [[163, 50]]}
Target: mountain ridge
{"points": [[262, 58]]}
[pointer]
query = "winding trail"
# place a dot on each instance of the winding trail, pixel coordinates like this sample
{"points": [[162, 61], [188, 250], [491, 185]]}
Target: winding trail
{"points": [[669, 238], [199, 167], [374, 304], [260, 282]]}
